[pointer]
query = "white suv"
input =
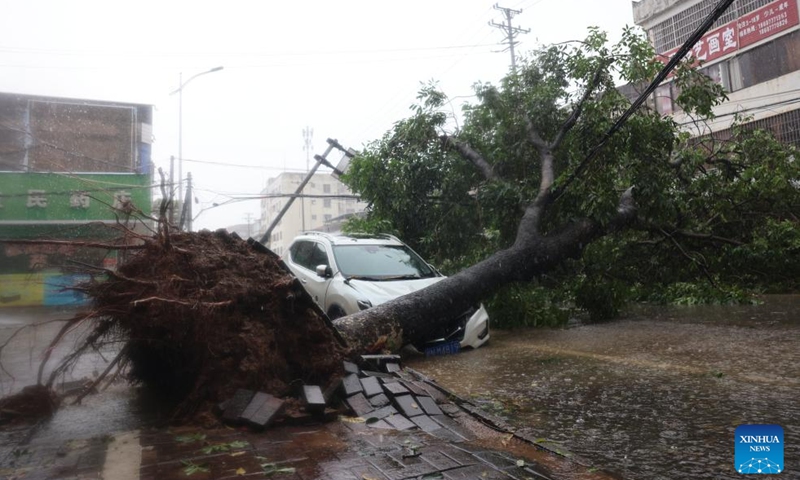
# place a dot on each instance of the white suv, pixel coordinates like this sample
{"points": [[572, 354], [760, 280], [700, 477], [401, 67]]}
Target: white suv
{"points": [[348, 273]]}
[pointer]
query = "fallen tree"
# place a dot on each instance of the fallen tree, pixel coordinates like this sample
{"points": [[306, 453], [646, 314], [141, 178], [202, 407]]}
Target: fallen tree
{"points": [[541, 185]]}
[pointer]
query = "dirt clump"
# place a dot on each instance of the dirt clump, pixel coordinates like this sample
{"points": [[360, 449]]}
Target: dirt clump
{"points": [[203, 314], [29, 405]]}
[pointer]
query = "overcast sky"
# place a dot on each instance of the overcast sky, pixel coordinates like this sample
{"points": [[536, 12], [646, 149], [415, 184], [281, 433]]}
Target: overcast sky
{"points": [[346, 69]]}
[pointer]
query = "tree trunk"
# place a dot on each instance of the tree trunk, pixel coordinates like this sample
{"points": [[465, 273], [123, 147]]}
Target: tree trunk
{"points": [[411, 318]]}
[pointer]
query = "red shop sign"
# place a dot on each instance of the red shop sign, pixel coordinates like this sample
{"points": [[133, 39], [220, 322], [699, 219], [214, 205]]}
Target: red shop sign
{"points": [[767, 21]]}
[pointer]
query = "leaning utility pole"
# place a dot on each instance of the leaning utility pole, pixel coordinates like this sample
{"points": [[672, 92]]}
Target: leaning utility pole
{"points": [[320, 160], [308, 134], [510, 32]]}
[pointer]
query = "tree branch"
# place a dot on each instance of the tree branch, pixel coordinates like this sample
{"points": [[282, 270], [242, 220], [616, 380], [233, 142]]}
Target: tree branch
{"points": [[576, 112], [73, 244], [470, 154]]}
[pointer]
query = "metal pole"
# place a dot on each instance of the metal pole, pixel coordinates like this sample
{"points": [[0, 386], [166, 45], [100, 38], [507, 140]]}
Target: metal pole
{"points": [[179, 91], [189, 198], [319, 161], [171, 190], [180, 137]]}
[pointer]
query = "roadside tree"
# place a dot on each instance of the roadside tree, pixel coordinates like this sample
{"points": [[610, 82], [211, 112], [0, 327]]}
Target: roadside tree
{"points": [[527, 198]]}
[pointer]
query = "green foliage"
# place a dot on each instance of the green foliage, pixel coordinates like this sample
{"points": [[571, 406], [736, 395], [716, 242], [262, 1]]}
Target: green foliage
{"points": [[698, 293], [522, 305], [601, 298], [190, 468], [224, 447], [717, 216]]}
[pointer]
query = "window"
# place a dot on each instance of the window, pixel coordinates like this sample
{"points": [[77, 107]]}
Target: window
{"points": [[309, 254], [767, 62], [313, 217], [327, 218], [326, 203], [382, 262], [326, 188]]}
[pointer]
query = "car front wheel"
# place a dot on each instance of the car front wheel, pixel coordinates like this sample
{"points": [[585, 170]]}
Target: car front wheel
{"points": [[336, 312]]}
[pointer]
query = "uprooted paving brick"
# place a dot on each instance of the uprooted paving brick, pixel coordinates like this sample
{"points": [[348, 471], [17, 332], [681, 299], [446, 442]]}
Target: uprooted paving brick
{"points": [[356, 447], [394, 434]]}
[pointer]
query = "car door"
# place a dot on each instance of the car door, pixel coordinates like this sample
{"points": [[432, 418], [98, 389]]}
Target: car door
{"points": [[306, 255]]}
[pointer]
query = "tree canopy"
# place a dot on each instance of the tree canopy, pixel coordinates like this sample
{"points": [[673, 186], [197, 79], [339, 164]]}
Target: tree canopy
{"points": [[716, 217]]}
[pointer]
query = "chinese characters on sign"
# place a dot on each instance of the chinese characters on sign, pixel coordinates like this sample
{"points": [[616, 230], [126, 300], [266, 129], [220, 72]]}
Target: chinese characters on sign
{"points": [[767, 21], [748, 29], [122, 200], [79, 200], [37, 199]]}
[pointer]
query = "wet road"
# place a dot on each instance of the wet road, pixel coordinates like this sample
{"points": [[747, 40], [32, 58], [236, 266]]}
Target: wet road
{"points": [[120, 408], [656, 395]]}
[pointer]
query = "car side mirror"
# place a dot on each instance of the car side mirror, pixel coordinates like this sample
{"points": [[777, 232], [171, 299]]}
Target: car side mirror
{"points": [[324, 271]]}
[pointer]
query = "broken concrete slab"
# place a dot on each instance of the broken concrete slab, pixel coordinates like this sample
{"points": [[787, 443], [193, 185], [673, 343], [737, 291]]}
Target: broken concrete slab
{"points": [[313, 398], [395, 388], [350, 367], [379, 362], [371, 386], [263, 410], [408, 405], [429, 406], [383, 412], [399, 422], [425, 423], [379, 400], [359, 404], [351, 385], [236, 404]]}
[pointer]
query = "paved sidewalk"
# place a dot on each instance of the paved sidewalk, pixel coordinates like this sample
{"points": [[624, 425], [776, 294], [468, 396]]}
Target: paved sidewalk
{"points": [[462, 443]]}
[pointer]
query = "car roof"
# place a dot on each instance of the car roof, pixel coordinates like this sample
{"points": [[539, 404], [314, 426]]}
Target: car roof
{"points": [[352, 238]]}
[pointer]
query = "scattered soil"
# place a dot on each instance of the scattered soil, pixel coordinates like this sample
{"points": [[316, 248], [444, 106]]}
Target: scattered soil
{"points": [[30, 404]]}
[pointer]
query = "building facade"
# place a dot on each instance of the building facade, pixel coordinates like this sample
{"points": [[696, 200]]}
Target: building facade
{"points": [[68, 169], [753, 51], [325, 203]]}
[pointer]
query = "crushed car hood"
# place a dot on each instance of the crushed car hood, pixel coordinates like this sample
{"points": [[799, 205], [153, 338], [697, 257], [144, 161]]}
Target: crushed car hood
{"points": [[380, 292]]}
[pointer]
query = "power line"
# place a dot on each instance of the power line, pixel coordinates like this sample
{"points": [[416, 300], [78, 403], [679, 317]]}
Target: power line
{"points": [[662, 75]]}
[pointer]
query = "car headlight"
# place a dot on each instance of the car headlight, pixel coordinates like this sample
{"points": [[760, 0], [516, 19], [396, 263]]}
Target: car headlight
{"points": [[364, 304]]}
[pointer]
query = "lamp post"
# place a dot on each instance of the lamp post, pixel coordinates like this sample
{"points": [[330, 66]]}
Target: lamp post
{"points": [[179, 91]]}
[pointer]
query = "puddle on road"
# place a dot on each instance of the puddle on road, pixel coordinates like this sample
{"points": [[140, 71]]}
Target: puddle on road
{"points": [[657, 395]]}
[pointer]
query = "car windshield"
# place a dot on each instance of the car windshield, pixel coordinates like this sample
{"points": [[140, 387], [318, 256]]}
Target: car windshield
{"points": [[380, 262]]}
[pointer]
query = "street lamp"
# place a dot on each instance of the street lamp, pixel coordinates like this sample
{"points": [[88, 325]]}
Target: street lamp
{"points": [[179, 91]]}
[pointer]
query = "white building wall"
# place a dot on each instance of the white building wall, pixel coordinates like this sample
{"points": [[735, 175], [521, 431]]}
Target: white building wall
{"points": [[314, 212], [759, 101]]}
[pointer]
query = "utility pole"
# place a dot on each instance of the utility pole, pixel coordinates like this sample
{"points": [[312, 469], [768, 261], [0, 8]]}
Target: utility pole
{"points": [[320, 160], [308, 134], [172, 190], [510, 32], [249, 218], [186, 210]]}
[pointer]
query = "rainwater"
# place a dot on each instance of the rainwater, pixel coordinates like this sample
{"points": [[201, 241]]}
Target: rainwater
{"points": [[655, 395]]}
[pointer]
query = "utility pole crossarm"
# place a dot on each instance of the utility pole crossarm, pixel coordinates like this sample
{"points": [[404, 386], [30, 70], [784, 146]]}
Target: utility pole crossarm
{"points": [[510, 31]]}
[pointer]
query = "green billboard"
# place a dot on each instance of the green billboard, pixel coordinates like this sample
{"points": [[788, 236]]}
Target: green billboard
{"points": [[32, 202]]}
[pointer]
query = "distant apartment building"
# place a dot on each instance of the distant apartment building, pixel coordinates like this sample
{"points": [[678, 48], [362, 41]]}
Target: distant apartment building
{"points": [[753, 51], [325, 203], [69, 168]]}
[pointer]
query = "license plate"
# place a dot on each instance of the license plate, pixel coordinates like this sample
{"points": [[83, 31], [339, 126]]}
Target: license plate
{"points": [[446, 348]]}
